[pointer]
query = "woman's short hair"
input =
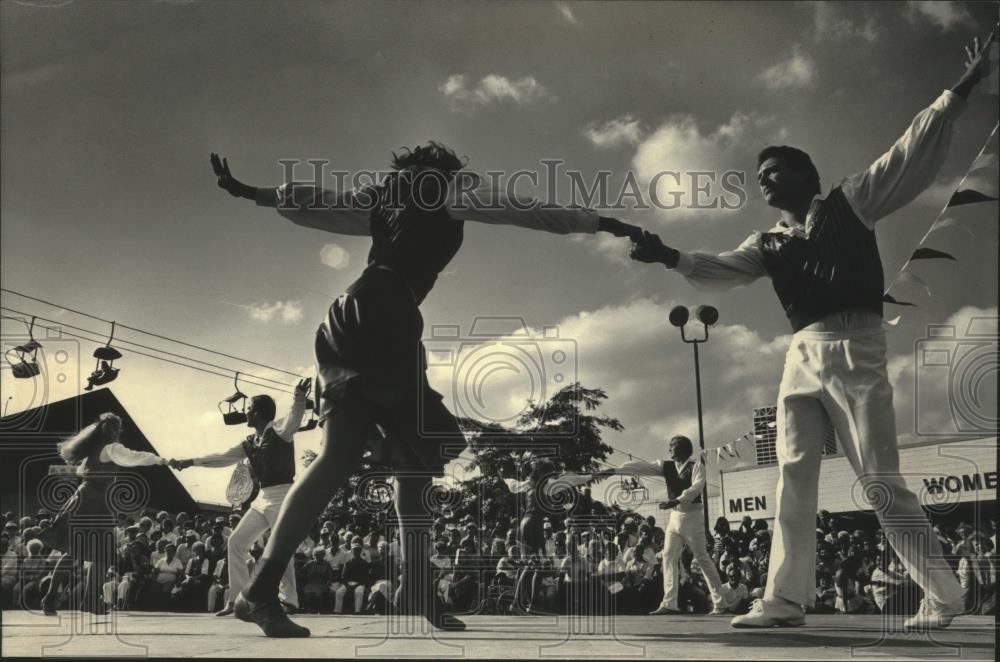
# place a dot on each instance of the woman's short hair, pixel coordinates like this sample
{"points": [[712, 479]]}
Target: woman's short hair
{"points": [[430, 155]]}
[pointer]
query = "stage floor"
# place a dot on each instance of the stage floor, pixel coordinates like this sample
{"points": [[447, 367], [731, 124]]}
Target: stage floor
{"points": [[632, 637]]}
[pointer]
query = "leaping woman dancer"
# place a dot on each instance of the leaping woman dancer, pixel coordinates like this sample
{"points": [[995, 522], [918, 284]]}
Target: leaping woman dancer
{"points": [[370, 359], [98, 456]]}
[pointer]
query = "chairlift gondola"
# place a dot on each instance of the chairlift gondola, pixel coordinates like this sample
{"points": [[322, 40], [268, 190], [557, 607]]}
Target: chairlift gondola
{"points": [[233, 415], [313, 420], [26, 356], [105, 371]]}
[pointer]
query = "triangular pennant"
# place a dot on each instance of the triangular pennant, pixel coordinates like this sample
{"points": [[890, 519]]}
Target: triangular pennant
{"points": [[718, 454], [986, 161], [888, 298], [949, 222], [930, 254], [894, 321], [913, 279], [968, 197]]}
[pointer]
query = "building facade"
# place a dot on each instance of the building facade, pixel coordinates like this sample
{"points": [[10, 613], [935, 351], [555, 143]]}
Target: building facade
{"points": [[952, 479]]}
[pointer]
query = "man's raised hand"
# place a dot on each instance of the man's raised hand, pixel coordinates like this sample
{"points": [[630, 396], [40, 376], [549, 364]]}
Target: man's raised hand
{"points": [[977, 64], [303, 387]]}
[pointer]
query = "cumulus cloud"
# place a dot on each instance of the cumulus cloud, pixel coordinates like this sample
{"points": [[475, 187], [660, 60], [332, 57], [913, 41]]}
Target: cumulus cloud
{"points": [[490, 89], [797, 71], [638, 358], [288, 312], [334, 256], [567, 12], [947, 387], [945, 15], [831, 21], [716, 159], [619, 131]]}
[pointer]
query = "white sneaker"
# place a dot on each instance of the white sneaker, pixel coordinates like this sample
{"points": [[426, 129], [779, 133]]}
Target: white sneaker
{"points": [[933, 615], [770, 614], [719, 610]]}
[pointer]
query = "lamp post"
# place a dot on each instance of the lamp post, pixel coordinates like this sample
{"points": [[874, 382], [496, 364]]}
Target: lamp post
{"points": [[708, 316]]}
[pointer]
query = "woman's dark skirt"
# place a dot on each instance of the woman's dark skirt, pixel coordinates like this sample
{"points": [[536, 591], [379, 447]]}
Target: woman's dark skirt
{"points": [[370, 358], [86, 517], [532, 533]]}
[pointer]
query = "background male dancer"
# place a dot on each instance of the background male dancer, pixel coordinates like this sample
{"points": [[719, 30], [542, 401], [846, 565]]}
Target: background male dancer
{"points": [[684, 475], [272, 457], [826, 270]]}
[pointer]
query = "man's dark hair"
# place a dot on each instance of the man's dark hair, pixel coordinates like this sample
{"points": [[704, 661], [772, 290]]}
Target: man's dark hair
{"points": [[264, 406], [684, 444], [795, 158]]}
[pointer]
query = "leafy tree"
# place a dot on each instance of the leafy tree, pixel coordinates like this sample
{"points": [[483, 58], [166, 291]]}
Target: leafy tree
{"points": [[566, 429]]}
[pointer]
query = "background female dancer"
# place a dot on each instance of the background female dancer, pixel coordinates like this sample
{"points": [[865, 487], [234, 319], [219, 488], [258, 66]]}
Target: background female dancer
{"points": [[540, 485], [98, 456], [370, 359]]}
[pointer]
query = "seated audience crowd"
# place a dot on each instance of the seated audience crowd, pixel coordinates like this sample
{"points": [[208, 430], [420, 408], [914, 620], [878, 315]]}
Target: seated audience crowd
{"points": [[610, 564]]}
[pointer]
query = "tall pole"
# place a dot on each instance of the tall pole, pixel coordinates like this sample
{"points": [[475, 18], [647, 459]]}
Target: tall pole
{"points": [[707, 315], [701, 430]]}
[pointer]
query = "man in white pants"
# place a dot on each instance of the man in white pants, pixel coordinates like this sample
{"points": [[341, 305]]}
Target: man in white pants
{"points": [[272, 457], [824, 264], [684, 475]]}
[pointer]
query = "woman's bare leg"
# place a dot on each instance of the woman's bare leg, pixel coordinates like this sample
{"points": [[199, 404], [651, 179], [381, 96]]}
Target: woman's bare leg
{"points": [[340, 456]]}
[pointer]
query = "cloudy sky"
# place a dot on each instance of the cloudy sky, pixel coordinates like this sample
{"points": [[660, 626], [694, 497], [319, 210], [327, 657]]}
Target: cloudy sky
{"points": [[109, 206]]}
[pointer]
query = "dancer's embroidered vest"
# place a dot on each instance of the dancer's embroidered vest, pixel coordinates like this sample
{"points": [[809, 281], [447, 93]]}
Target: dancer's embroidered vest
{"points": [[412, 232], [835, 267], [676, 481], [273, 461]]}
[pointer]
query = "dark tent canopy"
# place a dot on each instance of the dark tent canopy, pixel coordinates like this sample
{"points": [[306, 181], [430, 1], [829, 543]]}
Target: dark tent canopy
{"points": [[28, 448]]}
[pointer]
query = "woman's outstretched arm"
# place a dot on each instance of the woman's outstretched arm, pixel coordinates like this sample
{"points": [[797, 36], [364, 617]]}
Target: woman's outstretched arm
{"points": [[304, 204], [471, 198]]}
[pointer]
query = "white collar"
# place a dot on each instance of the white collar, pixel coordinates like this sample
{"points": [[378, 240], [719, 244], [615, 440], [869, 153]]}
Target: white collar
{"points": [[801, 230], [257, 437]]}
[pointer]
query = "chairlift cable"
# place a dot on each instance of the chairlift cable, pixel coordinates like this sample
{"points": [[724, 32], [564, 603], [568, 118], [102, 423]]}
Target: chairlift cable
{"points": [[152, 356], [148, 333], [121, 341]]}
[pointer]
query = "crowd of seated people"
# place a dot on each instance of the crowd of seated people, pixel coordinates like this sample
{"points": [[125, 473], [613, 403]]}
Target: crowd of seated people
{"points": [[177, 562]]}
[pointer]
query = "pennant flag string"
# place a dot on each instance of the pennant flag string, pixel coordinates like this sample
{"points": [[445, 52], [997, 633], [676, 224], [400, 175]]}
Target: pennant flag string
{"points": [[962, 196]]}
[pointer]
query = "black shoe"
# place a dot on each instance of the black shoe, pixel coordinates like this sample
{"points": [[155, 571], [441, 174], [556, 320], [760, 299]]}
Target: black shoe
{"points": [[447, 622], [269, 616], [49, 607]]}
